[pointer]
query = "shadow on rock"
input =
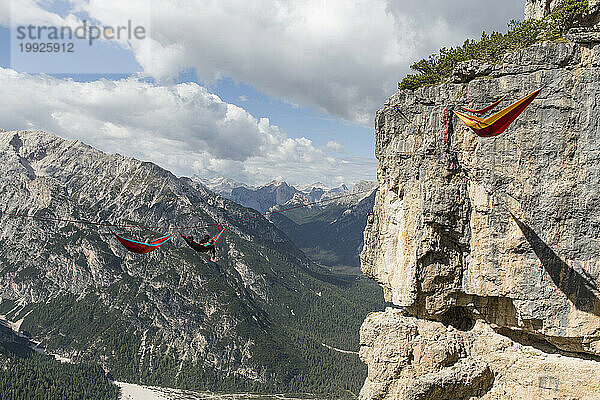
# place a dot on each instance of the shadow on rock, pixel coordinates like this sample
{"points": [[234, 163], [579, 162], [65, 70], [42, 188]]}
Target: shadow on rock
{"points": [[580, 290]]}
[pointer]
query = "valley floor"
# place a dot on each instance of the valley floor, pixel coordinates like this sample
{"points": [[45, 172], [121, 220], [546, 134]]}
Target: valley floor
{"points": [[130, 391]]}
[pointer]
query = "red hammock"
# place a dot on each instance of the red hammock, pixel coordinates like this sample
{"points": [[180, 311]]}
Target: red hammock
{"points": [[140, 247]]}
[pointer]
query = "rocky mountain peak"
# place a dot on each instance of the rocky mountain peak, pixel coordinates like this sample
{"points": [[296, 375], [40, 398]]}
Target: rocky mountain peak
{"points": [[220, 185], [275, 183]]}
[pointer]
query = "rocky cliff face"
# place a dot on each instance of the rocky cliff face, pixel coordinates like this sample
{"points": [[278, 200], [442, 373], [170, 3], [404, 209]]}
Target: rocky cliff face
{"points": [[538, 9], [490, 245]]}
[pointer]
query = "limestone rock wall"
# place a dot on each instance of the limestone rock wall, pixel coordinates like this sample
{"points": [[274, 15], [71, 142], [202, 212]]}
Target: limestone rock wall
{"points": [[434, 361], [538, 9], [497, 239]]}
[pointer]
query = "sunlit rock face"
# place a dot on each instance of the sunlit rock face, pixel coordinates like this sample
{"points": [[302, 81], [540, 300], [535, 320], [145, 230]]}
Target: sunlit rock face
{"points": [[411, 358], [490, 245], [538, 9]]}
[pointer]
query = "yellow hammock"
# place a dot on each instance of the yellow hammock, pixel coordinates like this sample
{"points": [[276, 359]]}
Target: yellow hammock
{"points": [[497, 123]]}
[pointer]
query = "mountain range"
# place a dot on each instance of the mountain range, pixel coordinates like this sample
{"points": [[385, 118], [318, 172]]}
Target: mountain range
{"points": [[256, 320], [263, 198], [330, 232]]}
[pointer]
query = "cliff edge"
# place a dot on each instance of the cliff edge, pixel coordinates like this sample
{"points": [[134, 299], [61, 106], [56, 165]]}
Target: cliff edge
{"points": [[490, 246]]}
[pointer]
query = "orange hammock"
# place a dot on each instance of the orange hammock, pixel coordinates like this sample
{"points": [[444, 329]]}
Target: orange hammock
{"points": [[483, 110], [497, 123]]}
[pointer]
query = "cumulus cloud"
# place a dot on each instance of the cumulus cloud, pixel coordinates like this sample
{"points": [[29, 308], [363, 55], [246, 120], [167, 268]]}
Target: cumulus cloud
{"points": [[438, 23], [183, 128], [335, 147], [340, 57]]}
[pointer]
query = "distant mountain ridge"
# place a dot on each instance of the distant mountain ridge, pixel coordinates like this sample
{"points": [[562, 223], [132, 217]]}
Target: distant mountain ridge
{"points": [[263, 198], [330, 233], [318, 191], [333, 233], [221, 186]]}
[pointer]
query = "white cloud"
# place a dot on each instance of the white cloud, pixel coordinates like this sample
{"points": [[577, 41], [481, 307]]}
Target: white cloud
{"points": [[183, 128], [337, 56], [335, 147], [340, 57], [27, 12]]}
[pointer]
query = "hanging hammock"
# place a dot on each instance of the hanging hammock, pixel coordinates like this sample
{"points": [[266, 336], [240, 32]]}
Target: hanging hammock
{"points": [[484, 110], [203, 247], [497, 123], [140, 247]]}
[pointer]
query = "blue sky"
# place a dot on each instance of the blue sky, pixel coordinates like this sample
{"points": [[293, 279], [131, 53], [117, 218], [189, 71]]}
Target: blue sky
{"points": [[298, 121], [298, 83]]}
